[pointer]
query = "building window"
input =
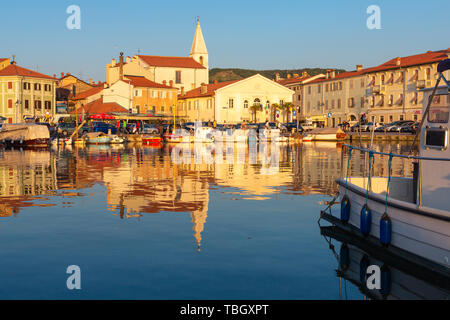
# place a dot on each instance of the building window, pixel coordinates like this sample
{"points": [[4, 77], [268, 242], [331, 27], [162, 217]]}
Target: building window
{"points": [[339, 103], [351, 102], [340, 85], [245, 104], [391, 99], [309, 90], [38, 105], [382, 119], [428, 74], [231, 103], [401, 117], [10, 103], [382, 100], [26, 86], [326, 104], [400, 100], [326, 87], [178, 77], [47, 105], [162, 108], [391, 118], [318, 88], [10, 85], [362, 102], [415, 118], [37, 87], [27, 104], [383, 79]]}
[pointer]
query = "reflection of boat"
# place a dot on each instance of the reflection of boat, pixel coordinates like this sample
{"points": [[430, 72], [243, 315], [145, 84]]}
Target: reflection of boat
{"points": [[154, 141], [400, 279], [97, 138], [325, 134], [204, 135], [24, 135], [411, 216]]}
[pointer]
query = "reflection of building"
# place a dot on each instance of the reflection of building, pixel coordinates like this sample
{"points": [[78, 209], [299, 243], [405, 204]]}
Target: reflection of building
{"points": [[24, 175]]}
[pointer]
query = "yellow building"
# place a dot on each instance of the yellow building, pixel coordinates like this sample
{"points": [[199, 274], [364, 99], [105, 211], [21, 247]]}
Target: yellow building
{"points": [[232, 101], [335, 98], [4, 63], [26, 94], [393, 88]]}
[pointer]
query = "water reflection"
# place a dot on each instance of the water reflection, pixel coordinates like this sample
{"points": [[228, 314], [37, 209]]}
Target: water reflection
{"points": [[143, 180], [400, 279]]}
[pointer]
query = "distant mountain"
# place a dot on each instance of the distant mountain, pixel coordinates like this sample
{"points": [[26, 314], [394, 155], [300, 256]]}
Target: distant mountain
{"points": [[228, 74]]}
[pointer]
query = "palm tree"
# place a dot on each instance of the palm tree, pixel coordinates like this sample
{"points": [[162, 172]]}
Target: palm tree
{"points": [[275, 107], [255, 108], [288, 107]]}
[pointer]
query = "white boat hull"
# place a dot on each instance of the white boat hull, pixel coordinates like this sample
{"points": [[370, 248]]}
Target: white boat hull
{"points": [[424, 232]]}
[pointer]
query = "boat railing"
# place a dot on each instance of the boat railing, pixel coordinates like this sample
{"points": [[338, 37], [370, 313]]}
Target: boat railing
{"points": [[406, 166]]}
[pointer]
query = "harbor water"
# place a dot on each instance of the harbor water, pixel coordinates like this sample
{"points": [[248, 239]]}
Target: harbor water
{"points": [[180, 222]]}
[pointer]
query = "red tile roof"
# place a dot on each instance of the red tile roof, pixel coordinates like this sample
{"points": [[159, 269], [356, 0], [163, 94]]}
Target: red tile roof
{"points": [[211, 88], [293, 80], [97, 107], [409, 61], [85, 94], [145, 83], [3, 59], [177, 62], [348, 74], [15, 70]]}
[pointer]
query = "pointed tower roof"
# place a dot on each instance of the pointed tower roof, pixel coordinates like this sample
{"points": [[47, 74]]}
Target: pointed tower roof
{"points": [[199, 45]]}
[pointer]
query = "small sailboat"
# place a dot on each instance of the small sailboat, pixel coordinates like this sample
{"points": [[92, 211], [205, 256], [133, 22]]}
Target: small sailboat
{"points": [[408, 216]]}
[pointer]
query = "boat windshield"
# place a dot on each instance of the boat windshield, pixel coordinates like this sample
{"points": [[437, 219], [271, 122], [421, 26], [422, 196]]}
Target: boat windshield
{"points": [[439, 109]]}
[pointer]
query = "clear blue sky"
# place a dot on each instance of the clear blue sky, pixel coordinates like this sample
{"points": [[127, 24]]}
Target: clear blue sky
{"points": [[245, 34]]}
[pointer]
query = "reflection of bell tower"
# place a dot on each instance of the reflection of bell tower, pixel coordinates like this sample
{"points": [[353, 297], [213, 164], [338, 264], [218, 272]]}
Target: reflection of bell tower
{"points": [[199, 52], [199, 219]]}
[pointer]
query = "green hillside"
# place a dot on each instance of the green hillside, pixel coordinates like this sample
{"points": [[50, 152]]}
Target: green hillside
{"points": [[228, 74]]}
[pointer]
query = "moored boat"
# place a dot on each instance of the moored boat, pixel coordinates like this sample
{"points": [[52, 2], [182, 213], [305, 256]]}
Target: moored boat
{"points": [[325, 134], [406, 215], [24, 135], [97, 138]]}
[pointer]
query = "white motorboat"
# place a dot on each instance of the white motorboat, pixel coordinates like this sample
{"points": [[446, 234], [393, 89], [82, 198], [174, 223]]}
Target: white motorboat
{"points": [[407, 215], [325, 134]]}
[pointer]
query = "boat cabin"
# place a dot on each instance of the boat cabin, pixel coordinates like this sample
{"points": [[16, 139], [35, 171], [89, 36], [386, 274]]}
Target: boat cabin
{"points": [[434, 182]]}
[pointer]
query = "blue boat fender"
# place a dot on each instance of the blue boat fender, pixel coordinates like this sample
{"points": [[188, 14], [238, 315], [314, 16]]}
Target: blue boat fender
{"points": [[345, 209], [344, 257], [385, 230], [366, 220]]}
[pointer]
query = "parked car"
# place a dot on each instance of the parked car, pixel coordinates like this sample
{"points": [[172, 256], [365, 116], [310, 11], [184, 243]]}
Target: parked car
{"points": [[409, 127], [150, 129], [104, 127], [365, 126], [374, 126], [355, 127], [397, 127]]}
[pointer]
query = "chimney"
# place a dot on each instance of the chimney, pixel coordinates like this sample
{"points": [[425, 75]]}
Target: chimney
{"points": [[399, 61], [304, 74], [333, 74], [328, 73], [121, 66], [54, 75], [68, 74], [62, 74], [289, 76], [99, 82], [14, 59], [277, 76], [171, 83], [165, 82], [296, 75], [203, 88], [182, 91], [359, 67], [113, 62], [90, 81]]}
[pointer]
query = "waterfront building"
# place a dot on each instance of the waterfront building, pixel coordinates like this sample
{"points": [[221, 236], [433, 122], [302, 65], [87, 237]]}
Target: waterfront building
{"points": [[142, 95], [26, 94], [180, 72], [86, 97], [99, 107], [233, 101], [4, 62], [393, 89], [296, 83], [335, 98]]}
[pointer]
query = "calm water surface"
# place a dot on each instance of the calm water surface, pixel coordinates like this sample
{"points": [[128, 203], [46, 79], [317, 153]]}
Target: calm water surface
{"points": [[144, 224]]}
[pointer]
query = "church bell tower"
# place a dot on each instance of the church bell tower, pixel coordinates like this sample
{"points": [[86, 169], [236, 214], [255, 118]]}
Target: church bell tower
{"points": [[199, 52]]}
